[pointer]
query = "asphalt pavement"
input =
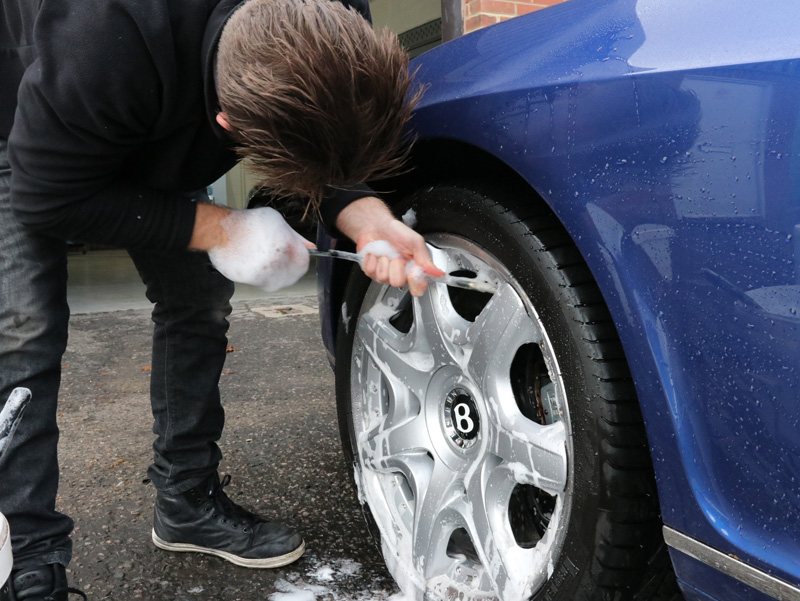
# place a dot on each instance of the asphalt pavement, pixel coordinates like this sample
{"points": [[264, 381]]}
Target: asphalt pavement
{"points": [[280, 445]]}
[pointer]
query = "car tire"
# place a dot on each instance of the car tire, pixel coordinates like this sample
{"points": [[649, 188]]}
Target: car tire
{"points": [[548, 493]]}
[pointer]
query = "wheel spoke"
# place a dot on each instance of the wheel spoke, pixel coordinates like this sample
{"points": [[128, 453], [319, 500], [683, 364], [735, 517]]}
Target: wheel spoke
{"points": [[435, 519], [401, 449], [399, 440], [390, 350], [488, 492], [535, 454], [431, 326], [498, 332]]}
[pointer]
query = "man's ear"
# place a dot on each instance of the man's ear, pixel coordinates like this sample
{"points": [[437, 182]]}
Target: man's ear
{"points": [[222, 119]]}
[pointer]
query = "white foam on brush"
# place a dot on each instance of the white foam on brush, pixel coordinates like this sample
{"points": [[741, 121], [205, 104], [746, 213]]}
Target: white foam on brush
{"points": [[379, 248], [382, 248], [415, 272]]}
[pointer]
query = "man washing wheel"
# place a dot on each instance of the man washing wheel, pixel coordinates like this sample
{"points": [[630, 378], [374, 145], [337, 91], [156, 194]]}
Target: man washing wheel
{"points": [[113, 113]]}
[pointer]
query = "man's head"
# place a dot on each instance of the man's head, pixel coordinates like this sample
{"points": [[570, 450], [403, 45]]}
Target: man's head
{"points": [[312, 95]]}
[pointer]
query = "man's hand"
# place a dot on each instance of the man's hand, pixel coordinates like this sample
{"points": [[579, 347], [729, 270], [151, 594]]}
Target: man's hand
{"points": [[368, 220], [255, 246]]}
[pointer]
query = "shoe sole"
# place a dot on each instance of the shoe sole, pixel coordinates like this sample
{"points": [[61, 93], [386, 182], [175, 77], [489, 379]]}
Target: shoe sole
{"points": [[266, 562]]}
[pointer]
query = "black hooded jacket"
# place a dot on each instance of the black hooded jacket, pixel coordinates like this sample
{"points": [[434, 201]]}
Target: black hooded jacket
{"points": [[115, 116]]}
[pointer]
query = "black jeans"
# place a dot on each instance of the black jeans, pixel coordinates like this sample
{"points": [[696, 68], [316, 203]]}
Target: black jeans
{"points": [[192, 303]]}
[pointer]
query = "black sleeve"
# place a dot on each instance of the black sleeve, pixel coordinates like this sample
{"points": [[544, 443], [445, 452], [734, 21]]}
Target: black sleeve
{"points": [[85, 105], [16, 53], [336, 199]]}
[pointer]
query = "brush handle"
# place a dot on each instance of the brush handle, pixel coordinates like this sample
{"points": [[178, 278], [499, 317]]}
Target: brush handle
{"points": [[449, 280], [335, 254]]}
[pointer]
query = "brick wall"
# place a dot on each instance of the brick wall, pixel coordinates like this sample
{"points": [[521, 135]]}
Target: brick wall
{"points": [[480, 13]]}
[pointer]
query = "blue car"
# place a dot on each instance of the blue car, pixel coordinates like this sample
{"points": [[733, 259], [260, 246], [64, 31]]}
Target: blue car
{"points": [[622, 412]]}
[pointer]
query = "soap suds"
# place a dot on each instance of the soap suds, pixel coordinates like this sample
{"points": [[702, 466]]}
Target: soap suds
{"points": [[382, 248], [379, 248], [263, 250], [328, 581], [410, 218], [345, 318], [415, 272]]}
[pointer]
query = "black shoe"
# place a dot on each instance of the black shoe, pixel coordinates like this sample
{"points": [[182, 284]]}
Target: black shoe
{"points": [[205, 520], [42, 583]]}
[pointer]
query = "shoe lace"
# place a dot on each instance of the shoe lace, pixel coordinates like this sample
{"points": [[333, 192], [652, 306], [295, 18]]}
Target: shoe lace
{"points": [[230, 509]]}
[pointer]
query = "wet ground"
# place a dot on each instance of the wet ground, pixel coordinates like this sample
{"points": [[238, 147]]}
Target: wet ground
{"points": [[281, 446]]}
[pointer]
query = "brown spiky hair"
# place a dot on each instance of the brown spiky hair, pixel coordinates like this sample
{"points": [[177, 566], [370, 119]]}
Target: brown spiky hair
{"points": [[313, 96]]}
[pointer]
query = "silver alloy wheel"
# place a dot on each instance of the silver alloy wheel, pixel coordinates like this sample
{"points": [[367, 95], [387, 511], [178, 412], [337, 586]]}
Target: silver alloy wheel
{"points": [[443, 443]]}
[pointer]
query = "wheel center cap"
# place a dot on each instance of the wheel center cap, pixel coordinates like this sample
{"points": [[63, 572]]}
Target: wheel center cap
{"points": [[461, 418]]}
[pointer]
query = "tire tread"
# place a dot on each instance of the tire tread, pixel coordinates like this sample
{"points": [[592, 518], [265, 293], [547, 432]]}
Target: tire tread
{"points": [[629, 482]]}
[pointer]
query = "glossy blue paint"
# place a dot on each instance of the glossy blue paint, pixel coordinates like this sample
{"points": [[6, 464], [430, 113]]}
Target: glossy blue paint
{"points": [[692, 594], [666, 137]]}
